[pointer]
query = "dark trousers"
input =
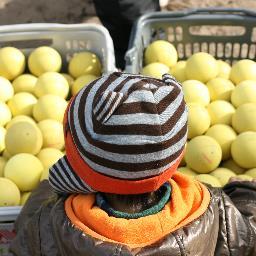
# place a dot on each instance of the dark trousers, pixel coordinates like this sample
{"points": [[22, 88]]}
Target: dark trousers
{"points": [[118, 17]]}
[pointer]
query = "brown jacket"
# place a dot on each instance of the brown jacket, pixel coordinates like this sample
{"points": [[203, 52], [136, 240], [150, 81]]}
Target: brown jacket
{"points": [[227, 228]]}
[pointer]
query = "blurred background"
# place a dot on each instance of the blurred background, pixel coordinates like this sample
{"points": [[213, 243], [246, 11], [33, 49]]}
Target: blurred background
{"points": [[80, 11]]}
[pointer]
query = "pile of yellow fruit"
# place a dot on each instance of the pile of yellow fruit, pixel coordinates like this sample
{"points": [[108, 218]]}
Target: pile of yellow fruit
{"points": [[221, 101], [222, 112], [32, 106]]}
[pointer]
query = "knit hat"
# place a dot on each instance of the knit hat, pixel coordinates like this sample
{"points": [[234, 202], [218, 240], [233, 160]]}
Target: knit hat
{"points": [[124, 134]]}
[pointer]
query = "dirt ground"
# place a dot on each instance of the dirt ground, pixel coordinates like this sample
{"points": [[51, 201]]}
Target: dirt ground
{"points": [[77, 11], [182, 4]]}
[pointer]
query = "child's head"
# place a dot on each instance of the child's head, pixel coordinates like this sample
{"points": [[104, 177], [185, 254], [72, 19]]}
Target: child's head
{"points": [[124, 134]]}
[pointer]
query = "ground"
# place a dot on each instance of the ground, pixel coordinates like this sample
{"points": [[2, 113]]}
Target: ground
{"points": [[77, 11]]}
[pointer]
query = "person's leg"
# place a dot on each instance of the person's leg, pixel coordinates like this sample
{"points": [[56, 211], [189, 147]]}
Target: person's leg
{"points": [[118, 17]]}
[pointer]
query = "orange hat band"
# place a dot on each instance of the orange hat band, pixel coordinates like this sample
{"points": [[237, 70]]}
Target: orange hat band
{"points": [[108, 184]]}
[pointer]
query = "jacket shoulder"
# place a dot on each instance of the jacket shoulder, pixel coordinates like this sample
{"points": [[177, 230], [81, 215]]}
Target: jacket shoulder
{"points": [[33, 225], [237, 235]]}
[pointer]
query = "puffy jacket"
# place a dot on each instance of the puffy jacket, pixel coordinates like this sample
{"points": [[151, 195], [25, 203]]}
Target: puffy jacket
{"points": [[227, 228]]}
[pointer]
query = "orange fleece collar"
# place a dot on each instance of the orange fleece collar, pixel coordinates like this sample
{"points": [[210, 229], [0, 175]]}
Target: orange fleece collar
{"points": [[189, 201]]}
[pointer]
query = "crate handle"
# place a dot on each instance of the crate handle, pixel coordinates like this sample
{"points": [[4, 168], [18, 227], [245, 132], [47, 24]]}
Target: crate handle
{"points": [[221, 10], [129, 56], [228, 30], [195, 11]]}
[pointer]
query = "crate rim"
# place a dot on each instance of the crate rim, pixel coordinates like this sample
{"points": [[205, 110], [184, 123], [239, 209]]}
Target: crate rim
{"points": [[190, 11], [139, 24], [50, 26], [60, 27], [9, 213]]}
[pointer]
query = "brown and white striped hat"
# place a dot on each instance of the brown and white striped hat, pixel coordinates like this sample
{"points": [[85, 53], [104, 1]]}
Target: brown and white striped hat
{"points": [[124, 134]]}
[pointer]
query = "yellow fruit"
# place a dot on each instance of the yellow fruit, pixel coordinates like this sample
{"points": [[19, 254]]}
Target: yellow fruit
{"points": [[12, 62], [224, 69], [198, 120], [195, 92], [80, 82], [2, 165], [5, 114], [24, 83], [19, 118], [69, 79], [178, 71], [45, 174], [6, 154], [24, 197], [22, 103], [203, 154], [220, 88], [233, 166], [245, 92], [52, 131], [2, 139], [10, 194], [243, 70], [24, 170], [155, 69], [84, 63], [251, 172], [161, 51], [6, 89], [51, 83], [224, 135], [187, 171], [244, 177], [23, 137], [244, 118], [221, 112], [208, 179], [50, 107], [201, 66], [243, 150], [223, 175], [44, 59], [49, 156]]}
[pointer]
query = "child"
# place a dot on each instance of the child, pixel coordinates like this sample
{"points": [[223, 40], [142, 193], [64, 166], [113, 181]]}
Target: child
{"points": [[117, 191]]}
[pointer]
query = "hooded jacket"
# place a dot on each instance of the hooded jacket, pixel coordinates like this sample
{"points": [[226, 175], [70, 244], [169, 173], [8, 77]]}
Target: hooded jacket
{"points": [[227, 227]]}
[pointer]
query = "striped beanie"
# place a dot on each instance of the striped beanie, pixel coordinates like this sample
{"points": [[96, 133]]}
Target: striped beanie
{"points": [[124, 134]]}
